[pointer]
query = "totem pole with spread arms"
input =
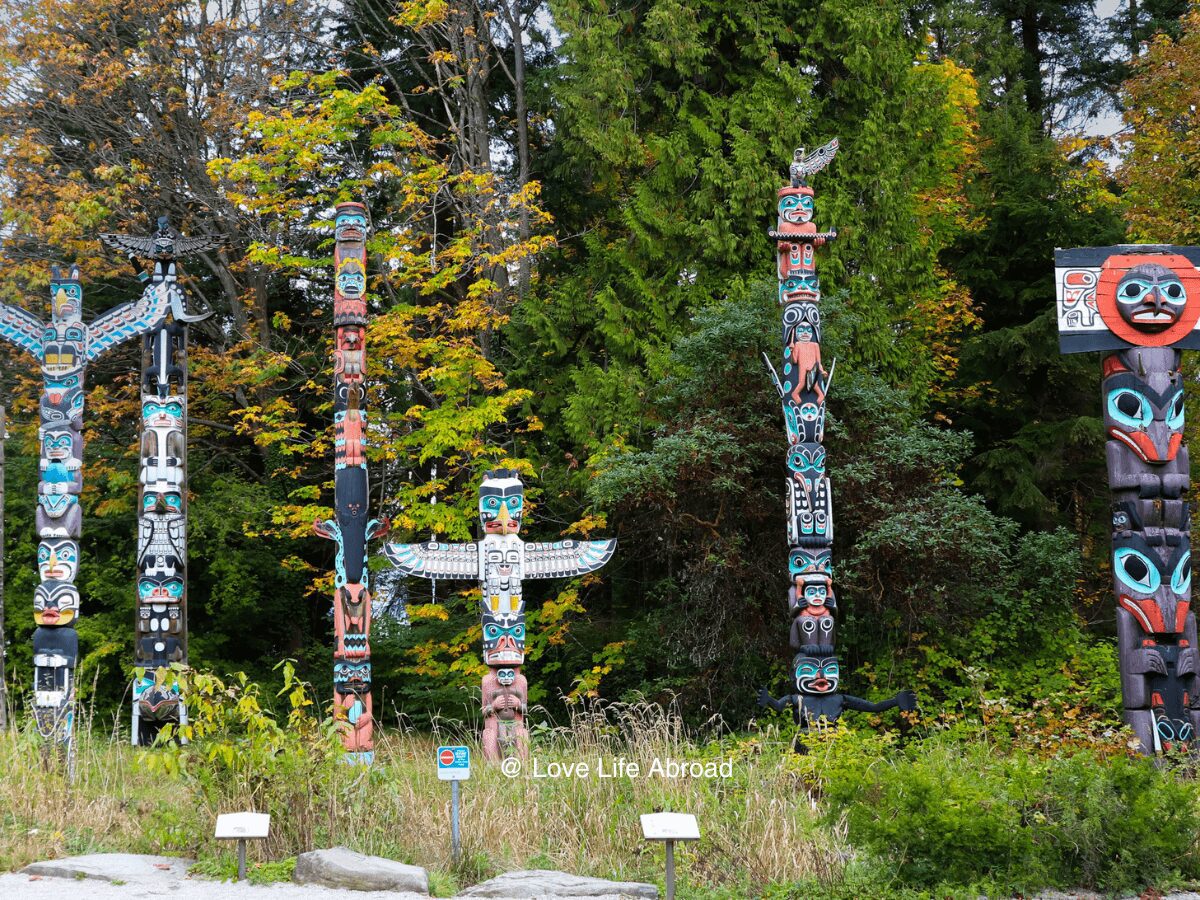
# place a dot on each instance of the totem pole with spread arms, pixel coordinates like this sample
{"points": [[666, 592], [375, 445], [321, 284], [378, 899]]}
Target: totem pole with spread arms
{"points": [[351, 528], [64, 346], [1140, 306], [160, 630], [501, 561], [803, 388]]}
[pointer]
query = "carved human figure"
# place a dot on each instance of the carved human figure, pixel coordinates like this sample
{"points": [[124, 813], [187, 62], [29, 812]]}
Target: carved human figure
{"points": [[816, 673], [505, 702]]}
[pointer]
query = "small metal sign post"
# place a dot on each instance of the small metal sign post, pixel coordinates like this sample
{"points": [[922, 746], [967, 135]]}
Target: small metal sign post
{"points": [[241, 827], [669, 828], [454, 765]]}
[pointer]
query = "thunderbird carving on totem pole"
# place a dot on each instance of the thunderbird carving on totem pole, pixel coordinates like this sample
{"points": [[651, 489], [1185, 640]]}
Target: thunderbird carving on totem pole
{"points": [[64, 346], [803, 389], [1139, 304], [160, 630], [501, 561], [351, 528]]}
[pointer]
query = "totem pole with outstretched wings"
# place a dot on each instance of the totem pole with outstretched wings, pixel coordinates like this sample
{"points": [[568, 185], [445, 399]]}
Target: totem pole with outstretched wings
{"points": [[63, 347], [501, 560]]}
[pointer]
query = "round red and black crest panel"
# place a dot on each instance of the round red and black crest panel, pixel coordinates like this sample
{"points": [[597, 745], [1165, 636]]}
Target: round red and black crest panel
{"points": [[1149, 301]]}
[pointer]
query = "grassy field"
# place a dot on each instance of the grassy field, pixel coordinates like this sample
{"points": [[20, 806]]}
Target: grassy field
{"points": [[760, 824], [862, 814]]}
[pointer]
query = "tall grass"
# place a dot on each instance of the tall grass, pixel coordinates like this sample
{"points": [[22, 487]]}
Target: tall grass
{"points": [[760, 825]]}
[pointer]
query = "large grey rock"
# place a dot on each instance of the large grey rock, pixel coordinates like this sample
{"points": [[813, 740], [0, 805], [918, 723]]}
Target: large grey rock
{"points": [[545, 884], [128, 867], [350, 871]]}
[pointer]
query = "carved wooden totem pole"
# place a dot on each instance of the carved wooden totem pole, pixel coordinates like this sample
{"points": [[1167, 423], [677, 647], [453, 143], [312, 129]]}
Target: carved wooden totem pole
{"points": [[803, 388], [160, 630], [1140, 304], [64, 346], [501, 560], [351, 528]]}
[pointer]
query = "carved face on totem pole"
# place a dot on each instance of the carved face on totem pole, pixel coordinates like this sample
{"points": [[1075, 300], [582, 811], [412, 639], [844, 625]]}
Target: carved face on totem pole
{"points": [[352, 676], [351, 278], [1151, 297], [162, 498], [61, 403], [1153, 583], [58, 559], [796, 208], [815, 671], [810, 505], [1145, 412], [501, 502], [55, 603], [503, 639], [350, 224], [62, 448]]}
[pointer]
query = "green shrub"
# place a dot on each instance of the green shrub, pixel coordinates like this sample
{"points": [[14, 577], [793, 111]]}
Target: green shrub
{"points": [[943, 814], [239, 757]]}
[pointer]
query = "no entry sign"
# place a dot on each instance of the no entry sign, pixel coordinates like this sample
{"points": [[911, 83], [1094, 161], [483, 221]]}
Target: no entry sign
{"points": [[454, 763]]}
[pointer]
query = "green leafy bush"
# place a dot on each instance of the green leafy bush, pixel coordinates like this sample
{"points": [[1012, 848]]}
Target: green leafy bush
{"points": [[946, 813], [238, 756]]}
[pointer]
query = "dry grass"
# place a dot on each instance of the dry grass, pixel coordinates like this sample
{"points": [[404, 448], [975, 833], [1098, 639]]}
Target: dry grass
{"points": [[760, 825]]}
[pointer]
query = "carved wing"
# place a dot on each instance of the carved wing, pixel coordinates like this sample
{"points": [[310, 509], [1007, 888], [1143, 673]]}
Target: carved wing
{"points": [[21, 328], [128, 321], [819, 158], [141, 246], [434, 560], [563, 559], [187, 245]]}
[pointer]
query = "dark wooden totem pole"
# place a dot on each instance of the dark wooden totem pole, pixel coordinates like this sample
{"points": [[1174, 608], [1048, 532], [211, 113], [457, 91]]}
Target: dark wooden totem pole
{"points": [[803, 388], [64, 346], [1140, 305], [501, 561], [351, 528], [160, 629]]}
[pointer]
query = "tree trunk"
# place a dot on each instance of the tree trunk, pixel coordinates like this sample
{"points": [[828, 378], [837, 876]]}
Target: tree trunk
{"points": [[1031, 43]]}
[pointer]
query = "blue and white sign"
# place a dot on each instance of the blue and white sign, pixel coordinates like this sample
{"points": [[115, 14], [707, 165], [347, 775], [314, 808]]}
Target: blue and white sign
{"points": [[453, 763]]}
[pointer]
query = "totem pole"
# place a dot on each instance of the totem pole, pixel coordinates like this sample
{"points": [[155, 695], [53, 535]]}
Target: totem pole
{"points": [[501, 560], [809, 500], [351, 528], [1141, 305], [160, 620], [64, 347]]}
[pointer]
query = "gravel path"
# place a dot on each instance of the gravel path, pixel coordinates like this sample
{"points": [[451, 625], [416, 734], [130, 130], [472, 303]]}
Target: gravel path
{"points": [[26, 887]]}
